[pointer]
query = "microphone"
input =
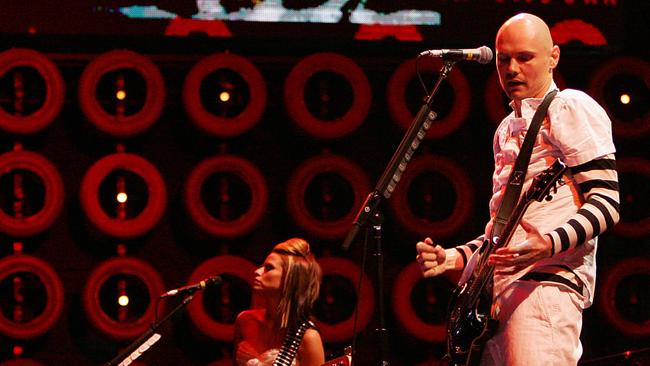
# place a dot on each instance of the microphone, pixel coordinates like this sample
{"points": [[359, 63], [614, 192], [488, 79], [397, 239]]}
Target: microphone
{"points": [[214, 280], [482, 54]]}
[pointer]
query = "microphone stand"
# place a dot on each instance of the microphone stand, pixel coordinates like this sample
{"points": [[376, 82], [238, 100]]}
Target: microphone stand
{"points": [[146, 340], [370, 211]]}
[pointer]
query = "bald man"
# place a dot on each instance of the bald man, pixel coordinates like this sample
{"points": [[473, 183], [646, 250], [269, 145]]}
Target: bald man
{"points": [[545, 276]]}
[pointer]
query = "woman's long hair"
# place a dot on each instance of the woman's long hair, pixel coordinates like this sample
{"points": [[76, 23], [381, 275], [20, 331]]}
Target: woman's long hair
{"points": [[300, 282]]}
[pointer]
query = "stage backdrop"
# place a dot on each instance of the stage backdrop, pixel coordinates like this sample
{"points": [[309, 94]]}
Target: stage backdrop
{"points": [[149, 145]]}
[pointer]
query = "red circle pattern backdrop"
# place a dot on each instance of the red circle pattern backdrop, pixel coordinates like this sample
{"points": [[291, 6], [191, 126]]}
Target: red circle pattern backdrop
{"points": [[122, 199]]}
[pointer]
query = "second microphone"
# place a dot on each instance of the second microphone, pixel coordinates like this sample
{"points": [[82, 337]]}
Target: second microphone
{"points": [[187, 290]]}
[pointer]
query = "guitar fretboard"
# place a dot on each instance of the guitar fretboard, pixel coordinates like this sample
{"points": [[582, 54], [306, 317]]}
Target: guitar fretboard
{"points": [[291, 344]]}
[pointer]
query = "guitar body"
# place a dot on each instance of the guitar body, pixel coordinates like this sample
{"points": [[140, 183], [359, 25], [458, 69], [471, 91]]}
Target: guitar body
{"points": [[469, 325], [345, 360]]}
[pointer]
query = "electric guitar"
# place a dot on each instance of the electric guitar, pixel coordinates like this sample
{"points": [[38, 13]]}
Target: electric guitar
{"points": [[345, 360], [469, 325]]}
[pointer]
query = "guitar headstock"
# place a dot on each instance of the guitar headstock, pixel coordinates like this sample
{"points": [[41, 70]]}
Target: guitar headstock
{"points": [[545, 181]]}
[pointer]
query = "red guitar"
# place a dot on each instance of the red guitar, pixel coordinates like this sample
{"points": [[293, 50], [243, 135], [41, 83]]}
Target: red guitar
{"points": [[345, 360]]}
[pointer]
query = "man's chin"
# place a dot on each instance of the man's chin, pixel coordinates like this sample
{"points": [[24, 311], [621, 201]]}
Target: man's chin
{"points": [[516, 94]]}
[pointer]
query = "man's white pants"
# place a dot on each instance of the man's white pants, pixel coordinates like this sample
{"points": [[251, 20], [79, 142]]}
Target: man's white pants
{"points": [[539, 324]]}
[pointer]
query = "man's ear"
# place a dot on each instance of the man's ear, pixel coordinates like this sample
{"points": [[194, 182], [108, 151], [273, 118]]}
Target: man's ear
{"points": [[555, 56]]}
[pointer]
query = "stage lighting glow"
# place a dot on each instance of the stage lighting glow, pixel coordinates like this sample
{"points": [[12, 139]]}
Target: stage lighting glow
{"points": [[123, 300], [120, 95], [17, 350], [224, 96], [625, 98], [122, 197], [274, 11]]}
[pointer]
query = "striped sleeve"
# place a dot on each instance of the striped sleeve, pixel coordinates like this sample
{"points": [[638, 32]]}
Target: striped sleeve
{"points": [[470, 247], [598, 182]]}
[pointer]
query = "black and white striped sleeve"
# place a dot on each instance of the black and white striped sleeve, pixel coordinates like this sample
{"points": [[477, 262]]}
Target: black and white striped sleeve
{"points": [[598, 182], [470, 247]]}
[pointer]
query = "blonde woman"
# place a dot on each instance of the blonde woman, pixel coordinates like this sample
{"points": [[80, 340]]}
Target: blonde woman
{"points": [[288, 281]]}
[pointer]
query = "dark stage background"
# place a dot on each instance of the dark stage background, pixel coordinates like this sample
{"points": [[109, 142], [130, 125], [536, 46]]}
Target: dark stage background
{"points": [[57, 298]]}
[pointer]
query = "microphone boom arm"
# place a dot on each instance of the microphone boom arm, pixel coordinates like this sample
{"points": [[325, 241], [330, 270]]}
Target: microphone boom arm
{"points": [[397, 165], [146, 340]]}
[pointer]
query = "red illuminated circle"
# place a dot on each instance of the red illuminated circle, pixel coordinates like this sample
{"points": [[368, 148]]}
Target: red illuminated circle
{"points": [[123, 228], [621, 296], [436, 295], [349, 271], [606, 84], [121, 62], [571, 30], [398, 107], [634, 222], [226, 189], [23, 62], [200, 316], [417, 191], [340, 186], [339, 124], [24, 266], [32, 163], [252, 88], [495, 100], [140, 312]]}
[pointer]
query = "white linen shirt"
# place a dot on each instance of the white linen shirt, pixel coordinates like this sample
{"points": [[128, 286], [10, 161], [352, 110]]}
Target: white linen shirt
{"points": [[575, 130]]}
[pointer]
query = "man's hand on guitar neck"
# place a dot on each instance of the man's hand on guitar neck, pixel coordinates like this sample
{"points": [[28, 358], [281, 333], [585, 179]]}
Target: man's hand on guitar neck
{"points": [[536, 246], [434, 259]]}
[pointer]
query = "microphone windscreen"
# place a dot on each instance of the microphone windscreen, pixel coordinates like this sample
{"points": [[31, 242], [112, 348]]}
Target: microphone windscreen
{"points": [[485, 55]]}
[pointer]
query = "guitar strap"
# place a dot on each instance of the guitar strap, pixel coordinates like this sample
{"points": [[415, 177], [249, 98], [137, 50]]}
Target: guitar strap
{"points": [[516, 181], [518, 174]]}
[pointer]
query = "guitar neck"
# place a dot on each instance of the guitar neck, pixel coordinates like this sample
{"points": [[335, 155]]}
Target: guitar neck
{"points": [[511, 224], [291, 345], [484, 271]]}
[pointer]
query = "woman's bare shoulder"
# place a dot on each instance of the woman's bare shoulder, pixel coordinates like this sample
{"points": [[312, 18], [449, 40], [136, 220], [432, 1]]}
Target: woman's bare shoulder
{"points": [[312, 334], [251, 315]]}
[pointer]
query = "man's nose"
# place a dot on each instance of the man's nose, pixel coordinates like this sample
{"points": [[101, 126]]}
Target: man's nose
{"points": [[513, 66]]}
